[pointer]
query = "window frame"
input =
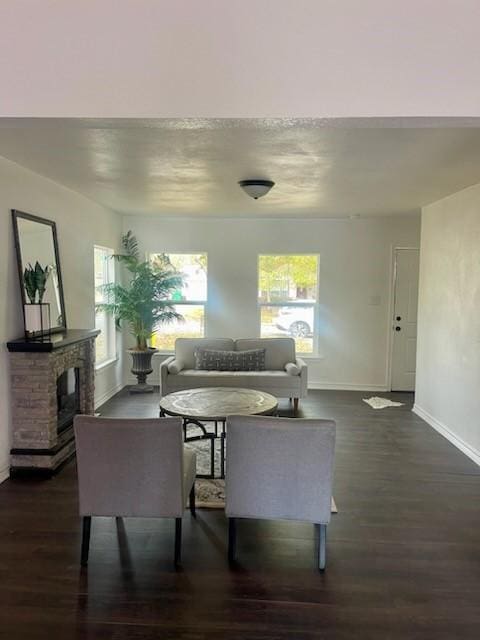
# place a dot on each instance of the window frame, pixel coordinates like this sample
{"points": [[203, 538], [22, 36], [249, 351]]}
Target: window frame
{"points": [[111, 330], [316, 305], [187, 303]]}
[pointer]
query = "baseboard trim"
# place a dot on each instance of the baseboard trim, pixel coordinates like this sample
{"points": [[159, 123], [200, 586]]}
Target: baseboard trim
{"points": [[339, 386], [108, 394], [335, 386], [4, 473], [447, 433], [153, 380]]}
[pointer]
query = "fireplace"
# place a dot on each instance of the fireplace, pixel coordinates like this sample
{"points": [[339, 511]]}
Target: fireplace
{"points": [[68, 398], [51, 382]]}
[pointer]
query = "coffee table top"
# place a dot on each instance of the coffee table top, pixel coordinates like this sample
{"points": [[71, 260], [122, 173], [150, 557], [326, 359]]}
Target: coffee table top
{"points": [[216, 403]]}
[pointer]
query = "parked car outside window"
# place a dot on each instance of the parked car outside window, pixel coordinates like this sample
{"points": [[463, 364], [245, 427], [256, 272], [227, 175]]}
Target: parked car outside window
{"points": [[296, 321]]}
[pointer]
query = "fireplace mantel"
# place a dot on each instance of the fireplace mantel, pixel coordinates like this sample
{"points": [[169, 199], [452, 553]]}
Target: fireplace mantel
{"points": [[42, 443], [55, 341]]}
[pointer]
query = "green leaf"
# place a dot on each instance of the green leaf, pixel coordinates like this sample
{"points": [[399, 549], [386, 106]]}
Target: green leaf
{"points": [[144, 302], [30, 282]]}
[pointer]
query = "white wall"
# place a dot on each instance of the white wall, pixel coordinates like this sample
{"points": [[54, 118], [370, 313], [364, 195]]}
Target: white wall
{"points": [[240, 58], [448, 353], [355, 271], [80, 224]]}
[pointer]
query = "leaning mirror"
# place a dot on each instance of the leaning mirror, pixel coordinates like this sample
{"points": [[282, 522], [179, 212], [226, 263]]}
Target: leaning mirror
{"points": [[40, 274]]}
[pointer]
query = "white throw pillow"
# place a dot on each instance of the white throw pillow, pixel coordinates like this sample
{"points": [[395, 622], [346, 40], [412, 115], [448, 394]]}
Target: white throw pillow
{"points": [[175, 366], [292, 369]]}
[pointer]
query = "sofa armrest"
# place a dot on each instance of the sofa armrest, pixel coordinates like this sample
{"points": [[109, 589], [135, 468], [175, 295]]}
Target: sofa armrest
{"points": [[163, 375], [302, 365]]}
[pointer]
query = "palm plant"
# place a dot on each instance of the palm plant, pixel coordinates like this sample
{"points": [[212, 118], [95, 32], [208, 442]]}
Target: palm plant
{"points": [[144, 302]]}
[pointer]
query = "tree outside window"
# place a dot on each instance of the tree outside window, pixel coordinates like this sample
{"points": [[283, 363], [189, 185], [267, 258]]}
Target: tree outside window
{"points": [[190, 301], [104, 273], [288, 298]]}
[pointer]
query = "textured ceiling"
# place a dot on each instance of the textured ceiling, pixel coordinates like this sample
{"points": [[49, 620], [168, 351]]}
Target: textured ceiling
{"points": [[191, 167]]}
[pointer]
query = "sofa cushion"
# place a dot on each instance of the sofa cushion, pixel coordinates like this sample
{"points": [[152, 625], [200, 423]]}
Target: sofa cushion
{"points": [[247, 379], [216, 360], [185, 348], [278, 351]]}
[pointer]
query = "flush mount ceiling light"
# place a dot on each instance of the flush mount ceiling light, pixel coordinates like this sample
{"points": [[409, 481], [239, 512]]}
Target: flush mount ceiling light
{"points": [[256, 188]]}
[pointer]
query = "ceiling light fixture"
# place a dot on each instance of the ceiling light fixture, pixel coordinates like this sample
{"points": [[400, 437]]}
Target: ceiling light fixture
{"points": [[256, 188]]}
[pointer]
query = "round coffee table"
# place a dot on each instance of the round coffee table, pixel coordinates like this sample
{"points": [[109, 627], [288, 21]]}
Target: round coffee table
{"points": [[214, 404]]}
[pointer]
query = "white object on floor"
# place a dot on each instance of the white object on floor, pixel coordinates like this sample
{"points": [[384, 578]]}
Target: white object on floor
{"points": [[381, 403]]}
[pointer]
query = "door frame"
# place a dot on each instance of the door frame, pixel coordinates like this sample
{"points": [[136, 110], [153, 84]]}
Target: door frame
{"points": [[391, 307]]}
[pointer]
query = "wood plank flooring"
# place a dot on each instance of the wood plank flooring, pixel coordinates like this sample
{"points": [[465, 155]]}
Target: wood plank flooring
{"points": [[403, 551]]}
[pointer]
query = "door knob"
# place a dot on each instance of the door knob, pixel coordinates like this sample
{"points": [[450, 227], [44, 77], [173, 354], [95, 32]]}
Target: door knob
{"points": [[398, 328], [398, 318]]}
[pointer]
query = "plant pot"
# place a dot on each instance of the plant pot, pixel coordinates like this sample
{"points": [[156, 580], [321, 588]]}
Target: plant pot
{"points": [[37, 319], [141, 367]]}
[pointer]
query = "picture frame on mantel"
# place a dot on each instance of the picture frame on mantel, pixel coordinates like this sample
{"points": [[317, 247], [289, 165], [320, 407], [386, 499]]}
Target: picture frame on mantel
{"points": [[36, 242]]}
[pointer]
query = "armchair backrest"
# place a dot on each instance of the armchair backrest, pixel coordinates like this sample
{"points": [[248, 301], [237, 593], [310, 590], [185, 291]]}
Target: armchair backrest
{"points": [[279, 468], [130, 467]]}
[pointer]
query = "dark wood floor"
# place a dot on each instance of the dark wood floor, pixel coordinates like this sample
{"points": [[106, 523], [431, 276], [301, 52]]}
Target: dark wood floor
{"points": [[403, 551]]}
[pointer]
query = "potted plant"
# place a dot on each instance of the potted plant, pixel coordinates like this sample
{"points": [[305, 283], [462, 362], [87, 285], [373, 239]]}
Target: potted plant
{"points": [[36, 313], [35, 280], [143, 304]]}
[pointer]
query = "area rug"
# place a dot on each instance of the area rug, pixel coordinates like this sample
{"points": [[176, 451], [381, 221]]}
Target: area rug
{"points": [[210, 493], [381, 403]]}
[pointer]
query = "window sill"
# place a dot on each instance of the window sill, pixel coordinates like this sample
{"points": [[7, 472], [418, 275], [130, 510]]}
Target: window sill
{"points": [[106, 363]]}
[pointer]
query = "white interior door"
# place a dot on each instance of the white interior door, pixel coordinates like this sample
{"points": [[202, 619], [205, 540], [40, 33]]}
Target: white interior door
{"points": [[404, 324]]}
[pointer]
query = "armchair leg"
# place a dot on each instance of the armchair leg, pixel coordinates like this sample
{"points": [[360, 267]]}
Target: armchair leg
{"points": [[178, 541], [295, 404], [86, 528], [232, 539], [192, 501], [322, 546]]}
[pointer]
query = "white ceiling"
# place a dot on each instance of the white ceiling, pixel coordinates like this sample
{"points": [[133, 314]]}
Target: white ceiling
{"points": [[191, 167]]}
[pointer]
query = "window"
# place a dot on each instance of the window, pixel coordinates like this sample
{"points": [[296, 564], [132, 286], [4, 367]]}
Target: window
{"points": [[189, 301], [105, 344], [288, 298]]}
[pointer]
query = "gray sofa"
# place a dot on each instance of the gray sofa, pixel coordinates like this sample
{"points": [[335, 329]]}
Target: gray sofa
{"points": [[285, 374]]}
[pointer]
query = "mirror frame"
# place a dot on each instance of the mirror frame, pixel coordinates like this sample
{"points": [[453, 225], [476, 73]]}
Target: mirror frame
{"points": [[28, 216]]}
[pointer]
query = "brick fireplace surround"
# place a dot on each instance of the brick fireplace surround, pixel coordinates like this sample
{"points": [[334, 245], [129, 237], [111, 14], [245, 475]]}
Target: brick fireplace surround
{"points": [[35, 366]]}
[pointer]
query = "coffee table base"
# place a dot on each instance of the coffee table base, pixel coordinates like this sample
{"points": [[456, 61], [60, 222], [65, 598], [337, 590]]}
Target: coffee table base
{"points": [[205, 436], [213, 404]]}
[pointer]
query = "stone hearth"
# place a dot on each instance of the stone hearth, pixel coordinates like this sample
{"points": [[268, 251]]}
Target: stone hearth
{"points": [[35, 367]]}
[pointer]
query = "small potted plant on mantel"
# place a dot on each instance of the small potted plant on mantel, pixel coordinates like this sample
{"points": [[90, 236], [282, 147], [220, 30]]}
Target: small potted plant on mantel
{"points": [[143, 304], [36, 313]]}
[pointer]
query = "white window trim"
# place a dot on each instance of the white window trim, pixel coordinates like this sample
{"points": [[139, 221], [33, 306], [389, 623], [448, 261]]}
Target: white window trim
{"points": [[112, 354], [315, 353], [106, 363], [187, 303]]}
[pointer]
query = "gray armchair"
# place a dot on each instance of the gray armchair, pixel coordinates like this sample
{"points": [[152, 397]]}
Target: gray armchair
{"points": [[279, 469], [135, 468]]}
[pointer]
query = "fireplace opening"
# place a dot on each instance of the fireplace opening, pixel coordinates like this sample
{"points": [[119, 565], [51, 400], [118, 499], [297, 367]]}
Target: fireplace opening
{"points": [[68, 398]]}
